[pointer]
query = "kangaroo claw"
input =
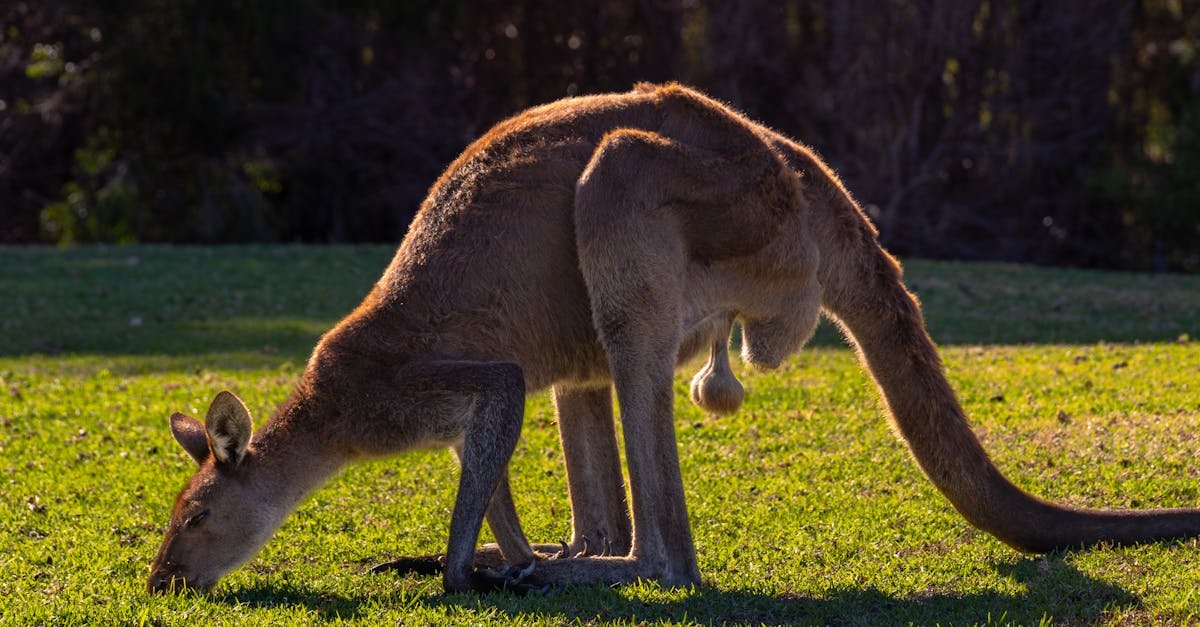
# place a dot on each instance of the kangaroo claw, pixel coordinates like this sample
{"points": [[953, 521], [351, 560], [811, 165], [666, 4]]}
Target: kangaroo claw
{"points": [[607, 543], [586, 548], [563, 553]]}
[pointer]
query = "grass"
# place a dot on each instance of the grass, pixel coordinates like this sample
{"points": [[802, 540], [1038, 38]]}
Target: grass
{"points": [[1084, 386]]}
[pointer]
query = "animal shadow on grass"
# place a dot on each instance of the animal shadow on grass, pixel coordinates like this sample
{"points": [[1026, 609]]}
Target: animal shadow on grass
{"points": [[1052, 589], [326, 605]]}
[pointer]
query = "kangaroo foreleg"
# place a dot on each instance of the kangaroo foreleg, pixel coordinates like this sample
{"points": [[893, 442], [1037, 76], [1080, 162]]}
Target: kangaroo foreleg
{"points": [[480, 405], [511, 547], [506, 527], [599, 512], [484, 452]]}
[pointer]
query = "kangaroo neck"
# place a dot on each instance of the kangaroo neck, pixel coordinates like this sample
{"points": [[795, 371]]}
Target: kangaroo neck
{"points": [[292, 456]]}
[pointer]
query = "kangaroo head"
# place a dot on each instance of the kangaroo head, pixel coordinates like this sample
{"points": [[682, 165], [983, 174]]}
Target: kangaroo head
{"points": [[222, 516]]}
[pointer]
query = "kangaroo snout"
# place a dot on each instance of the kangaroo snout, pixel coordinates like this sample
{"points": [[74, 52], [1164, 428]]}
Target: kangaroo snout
{"points": [[168, 579]]}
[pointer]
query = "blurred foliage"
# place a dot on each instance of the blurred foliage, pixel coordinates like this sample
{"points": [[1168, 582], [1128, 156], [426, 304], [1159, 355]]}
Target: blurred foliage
{"points": [[1153, 179], [1064, 132]]}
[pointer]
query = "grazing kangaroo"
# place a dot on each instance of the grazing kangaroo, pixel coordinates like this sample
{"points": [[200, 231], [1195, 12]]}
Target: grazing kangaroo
{"points": [[583, 244]]}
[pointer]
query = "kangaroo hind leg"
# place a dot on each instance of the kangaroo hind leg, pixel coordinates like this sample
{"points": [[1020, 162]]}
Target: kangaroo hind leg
{"points": [[643, 211], [599, 513]]}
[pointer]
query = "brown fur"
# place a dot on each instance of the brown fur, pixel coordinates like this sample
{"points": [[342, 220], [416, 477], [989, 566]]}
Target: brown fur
{"points": [[597, 242]]}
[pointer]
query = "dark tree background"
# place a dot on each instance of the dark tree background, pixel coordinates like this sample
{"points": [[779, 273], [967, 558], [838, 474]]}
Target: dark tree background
{"points": [[1047, 131]]}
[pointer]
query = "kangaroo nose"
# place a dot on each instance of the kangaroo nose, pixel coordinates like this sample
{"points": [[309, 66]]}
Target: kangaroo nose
{"points": [[165, 580]]}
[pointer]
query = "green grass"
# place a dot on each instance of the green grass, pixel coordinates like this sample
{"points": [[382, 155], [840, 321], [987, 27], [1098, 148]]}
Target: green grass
{"points": [[1084, 386]]}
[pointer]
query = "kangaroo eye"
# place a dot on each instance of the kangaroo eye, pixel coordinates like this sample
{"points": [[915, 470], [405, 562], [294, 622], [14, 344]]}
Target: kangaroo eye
{"points": [[195, 520]]}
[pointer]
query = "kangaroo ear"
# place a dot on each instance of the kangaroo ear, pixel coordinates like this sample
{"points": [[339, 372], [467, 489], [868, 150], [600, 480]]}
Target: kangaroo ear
{"points": [[190, 434], [228, 426]]}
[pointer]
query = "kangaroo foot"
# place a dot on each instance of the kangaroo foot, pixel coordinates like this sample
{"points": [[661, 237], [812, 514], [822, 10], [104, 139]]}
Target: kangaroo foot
{"points": [[606, 570], [554, 568]]}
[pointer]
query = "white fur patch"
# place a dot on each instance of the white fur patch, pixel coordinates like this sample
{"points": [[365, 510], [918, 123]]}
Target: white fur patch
{"points": [[221, 445]]}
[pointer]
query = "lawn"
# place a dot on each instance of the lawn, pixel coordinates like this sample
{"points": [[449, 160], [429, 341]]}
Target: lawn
{"points": [[1084, 387]]}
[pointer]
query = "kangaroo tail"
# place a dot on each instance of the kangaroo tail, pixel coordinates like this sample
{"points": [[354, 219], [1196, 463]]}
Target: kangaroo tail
{"points": [[862, 290]]}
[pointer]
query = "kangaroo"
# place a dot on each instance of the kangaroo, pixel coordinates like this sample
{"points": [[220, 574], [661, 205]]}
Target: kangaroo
{"points": [[588, 245]]}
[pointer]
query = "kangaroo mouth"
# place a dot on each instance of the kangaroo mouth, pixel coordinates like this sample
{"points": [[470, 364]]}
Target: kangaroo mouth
{"points": [[171, 582]]}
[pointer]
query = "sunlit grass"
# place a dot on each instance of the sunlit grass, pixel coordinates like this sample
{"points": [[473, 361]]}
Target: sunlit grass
{"points": [[1084, 386]]}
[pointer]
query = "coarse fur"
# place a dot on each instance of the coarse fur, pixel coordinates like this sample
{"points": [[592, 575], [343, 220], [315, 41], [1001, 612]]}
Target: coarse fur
{"points": [[588, 245]]}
